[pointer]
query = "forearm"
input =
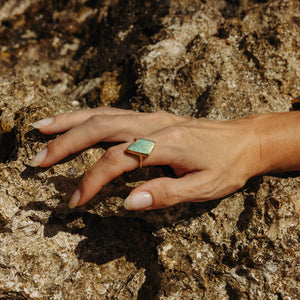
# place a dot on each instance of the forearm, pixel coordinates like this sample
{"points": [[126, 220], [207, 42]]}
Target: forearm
{"points": [[278, 137]]}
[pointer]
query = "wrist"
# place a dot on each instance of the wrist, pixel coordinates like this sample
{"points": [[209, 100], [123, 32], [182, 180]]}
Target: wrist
{"points": [[251, 150], [277, 141], [245, 147]]}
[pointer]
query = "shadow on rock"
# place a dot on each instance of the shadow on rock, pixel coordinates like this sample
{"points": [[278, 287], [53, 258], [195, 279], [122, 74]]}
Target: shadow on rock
{"points": [[111, 238], [34, 135], [8, 146], [250, 191]]}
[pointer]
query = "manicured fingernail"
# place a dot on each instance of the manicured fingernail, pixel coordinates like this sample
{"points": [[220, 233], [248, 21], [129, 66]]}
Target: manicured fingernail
{"points": [[140, 200], [42, 123], [75, 199], [39, 158]]}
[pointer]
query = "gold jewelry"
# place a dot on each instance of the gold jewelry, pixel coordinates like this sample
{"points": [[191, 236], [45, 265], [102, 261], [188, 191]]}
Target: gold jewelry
{"points": [[141, 148]]}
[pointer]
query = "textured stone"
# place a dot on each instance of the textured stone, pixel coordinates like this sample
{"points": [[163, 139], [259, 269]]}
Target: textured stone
{"points": [[219, 59]]}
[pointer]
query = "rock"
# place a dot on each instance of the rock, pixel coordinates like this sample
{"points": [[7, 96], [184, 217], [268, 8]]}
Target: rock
{"points": [[220, 68], [218, 59]]}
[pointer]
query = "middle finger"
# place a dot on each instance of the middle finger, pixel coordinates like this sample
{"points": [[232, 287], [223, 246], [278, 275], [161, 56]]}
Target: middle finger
{"points": [[106, 128]]}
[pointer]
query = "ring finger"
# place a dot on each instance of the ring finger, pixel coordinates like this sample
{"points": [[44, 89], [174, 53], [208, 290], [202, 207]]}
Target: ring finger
{"points": [[112, 164]]}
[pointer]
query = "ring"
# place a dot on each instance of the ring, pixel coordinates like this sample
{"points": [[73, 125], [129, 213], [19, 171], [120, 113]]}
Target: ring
{"points": [[141, 148]]}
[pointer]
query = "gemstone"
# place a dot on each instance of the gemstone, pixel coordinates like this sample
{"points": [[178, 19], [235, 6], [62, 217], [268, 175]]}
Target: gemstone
{"points": [[141, 147]]}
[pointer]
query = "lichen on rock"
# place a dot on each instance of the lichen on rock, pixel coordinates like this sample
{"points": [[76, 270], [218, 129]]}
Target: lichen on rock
{"points": [[215, 59]]}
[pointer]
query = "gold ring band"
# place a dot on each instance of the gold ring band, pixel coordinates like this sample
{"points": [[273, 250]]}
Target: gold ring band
{"points": [[141, 148]]}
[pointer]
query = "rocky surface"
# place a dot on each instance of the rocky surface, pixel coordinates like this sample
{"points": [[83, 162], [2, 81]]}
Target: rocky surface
{"points": [[217, 59]]}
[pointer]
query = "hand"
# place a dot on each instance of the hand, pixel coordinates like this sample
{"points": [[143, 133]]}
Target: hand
{"points": [[211, 158]]}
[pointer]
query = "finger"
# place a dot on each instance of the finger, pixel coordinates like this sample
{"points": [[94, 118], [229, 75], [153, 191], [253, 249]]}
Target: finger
{"points": [[97, 128], [66, 121], [105, 128], [112, 164], [165, 192], [116, 161]]}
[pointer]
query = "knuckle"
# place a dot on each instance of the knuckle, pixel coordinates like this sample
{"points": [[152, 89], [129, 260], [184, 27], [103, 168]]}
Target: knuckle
{"points": [[162, 114], [170, 195], [177, 134], [112, 156], [163, 117], [96, 120], [58, 145], [88, 179]]}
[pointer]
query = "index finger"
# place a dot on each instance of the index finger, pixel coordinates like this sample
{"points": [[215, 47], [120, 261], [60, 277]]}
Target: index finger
{"points": [[66, 121]]}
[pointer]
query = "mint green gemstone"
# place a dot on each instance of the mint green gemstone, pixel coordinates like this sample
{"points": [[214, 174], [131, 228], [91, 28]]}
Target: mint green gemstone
{"points": [[141, 147]]}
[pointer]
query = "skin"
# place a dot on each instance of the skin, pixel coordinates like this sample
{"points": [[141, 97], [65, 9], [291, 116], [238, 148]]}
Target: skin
{"points": [[212, 159]]}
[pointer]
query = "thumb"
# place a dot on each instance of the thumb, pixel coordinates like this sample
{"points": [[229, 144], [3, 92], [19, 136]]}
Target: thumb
{"points": [[164, 192]]}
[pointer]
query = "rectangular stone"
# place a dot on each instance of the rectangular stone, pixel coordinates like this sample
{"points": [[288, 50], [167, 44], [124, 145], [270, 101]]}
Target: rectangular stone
{"points": [[141, 147]]}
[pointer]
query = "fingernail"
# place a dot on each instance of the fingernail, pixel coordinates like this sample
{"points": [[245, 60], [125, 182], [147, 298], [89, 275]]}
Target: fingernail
{"points": [[140, 200], [42, 123], [39, 158], [75, 199]]}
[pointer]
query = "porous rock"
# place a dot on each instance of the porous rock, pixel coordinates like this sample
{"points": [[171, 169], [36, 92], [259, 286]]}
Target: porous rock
{"points": [[217, 59]]}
